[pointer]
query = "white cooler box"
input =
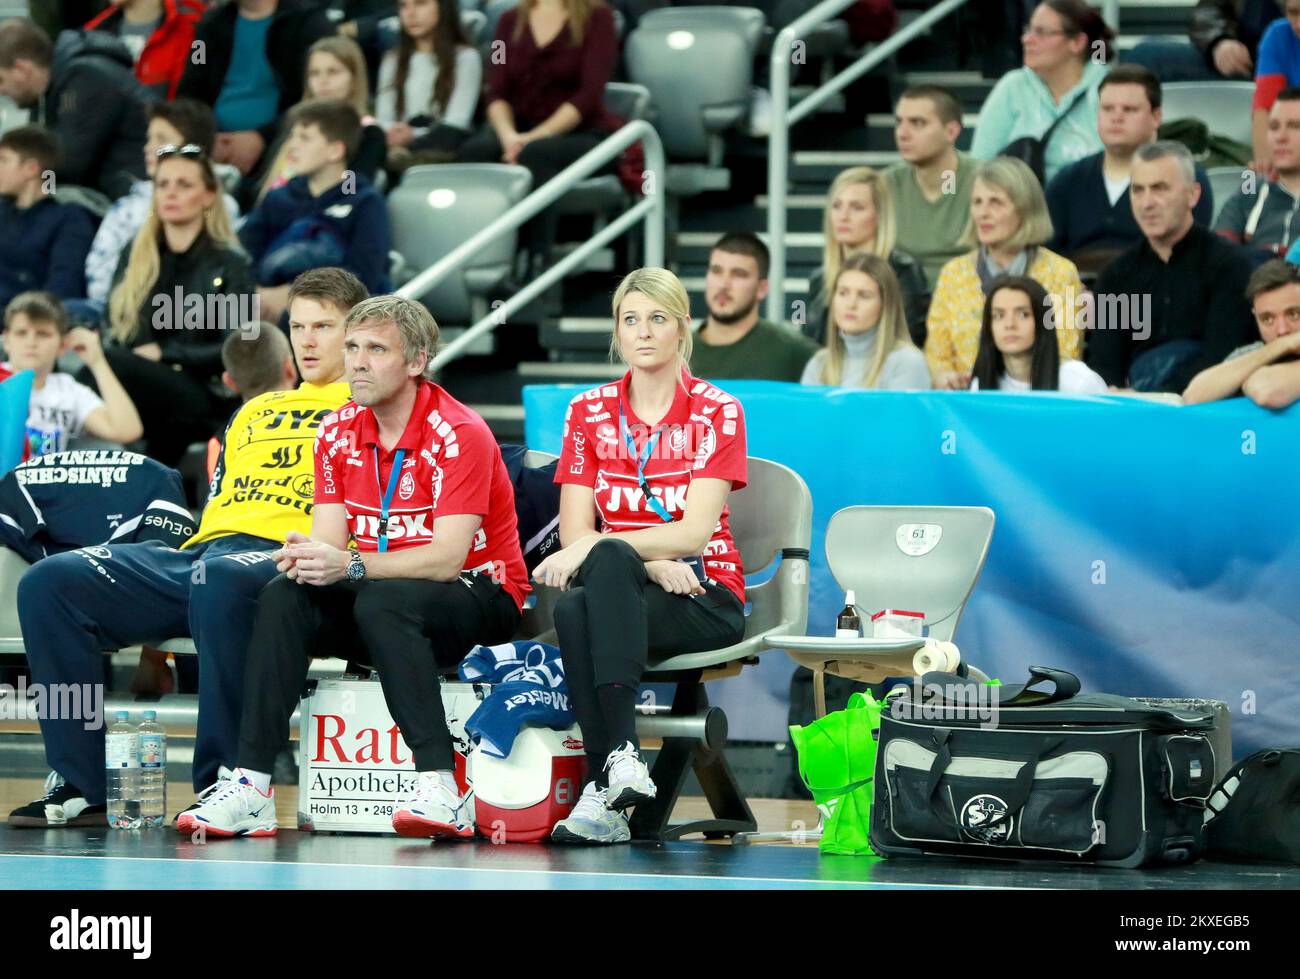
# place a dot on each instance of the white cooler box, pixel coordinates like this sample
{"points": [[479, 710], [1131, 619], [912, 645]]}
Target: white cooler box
{"points": [[353, 764]]}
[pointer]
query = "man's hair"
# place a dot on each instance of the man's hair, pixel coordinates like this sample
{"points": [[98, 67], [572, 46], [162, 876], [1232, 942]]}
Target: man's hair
{"points": [[34, 143], [1273, 274], [255, 359], [414, 322], [1169, 148], [190, 117], [43, 306], [945, 103], [21, 37], [329, 284], [337, 119], [1135, 75], [1289, 94], [746, 243]]}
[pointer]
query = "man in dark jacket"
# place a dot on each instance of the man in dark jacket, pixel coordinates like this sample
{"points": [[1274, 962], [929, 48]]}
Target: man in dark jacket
{"points": [[252, 69], [1223, 40], [43, 243], [83, 89]]}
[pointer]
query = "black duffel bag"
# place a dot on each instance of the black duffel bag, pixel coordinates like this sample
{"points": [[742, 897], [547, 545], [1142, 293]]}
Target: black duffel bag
{"points": [[1040, 772], [1255, 812]]}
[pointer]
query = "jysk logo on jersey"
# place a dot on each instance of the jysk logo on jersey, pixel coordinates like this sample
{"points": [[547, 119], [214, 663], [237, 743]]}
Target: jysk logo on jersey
{"points": [[401, 526]]}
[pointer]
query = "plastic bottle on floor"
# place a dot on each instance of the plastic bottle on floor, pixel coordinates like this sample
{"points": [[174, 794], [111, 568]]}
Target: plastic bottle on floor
{"points": [[153, 771], [122, 772]]}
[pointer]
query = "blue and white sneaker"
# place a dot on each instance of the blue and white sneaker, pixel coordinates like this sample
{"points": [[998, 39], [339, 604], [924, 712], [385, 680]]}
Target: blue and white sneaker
{"points": [[231, 807], [592, 821], [629, 778]]}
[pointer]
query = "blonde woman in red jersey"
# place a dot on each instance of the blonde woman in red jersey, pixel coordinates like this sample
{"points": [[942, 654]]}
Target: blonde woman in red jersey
{"points": [[648, 564]]}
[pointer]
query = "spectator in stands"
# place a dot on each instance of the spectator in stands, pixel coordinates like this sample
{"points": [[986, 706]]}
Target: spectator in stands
{"points": [[1092, 217], [450, 575], [1262, 212], [931, 187], [258, 361], [1008, 225], [183, 258], [734, 342], [43, 243], [1278, 69], [1017, 350], [158, 33], [860, 220], [253, 69], [1067, 46], [84, 91], [1222, 42], [545, 94], [632, 574], [1268, 370], [177, 123], [323, 216], [73, 607], [1179, 293], [867, 342], [336, 69], [35, 333], [428, 85]]}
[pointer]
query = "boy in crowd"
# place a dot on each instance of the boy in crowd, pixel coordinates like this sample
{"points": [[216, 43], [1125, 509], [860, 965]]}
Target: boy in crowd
{"points": [[43, 243], [326, 215], [1268, 370], [74, 605], [35, 333]]}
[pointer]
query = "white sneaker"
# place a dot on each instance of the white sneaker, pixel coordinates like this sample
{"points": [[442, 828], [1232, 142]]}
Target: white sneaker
{"points": [[223, 775], [629, 778], [592, 821], [434, 811], [231, 807]]}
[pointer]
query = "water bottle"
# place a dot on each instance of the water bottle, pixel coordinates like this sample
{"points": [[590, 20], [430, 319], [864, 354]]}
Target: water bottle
{"points": [[122, 773], [153, 771]]}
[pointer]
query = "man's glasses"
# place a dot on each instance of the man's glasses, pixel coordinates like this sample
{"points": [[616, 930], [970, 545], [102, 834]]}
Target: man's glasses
{"points": [[190, 150]]}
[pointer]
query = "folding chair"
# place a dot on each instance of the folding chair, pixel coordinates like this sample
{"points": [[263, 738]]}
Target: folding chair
{"points": [[923, 559]]}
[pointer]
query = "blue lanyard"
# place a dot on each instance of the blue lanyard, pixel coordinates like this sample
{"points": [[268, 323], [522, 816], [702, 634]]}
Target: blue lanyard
{"points": [[642, 458], [394, 475]]}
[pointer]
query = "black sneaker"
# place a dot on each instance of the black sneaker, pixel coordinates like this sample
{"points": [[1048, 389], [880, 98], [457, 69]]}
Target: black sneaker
{"points": [[63, 805]]}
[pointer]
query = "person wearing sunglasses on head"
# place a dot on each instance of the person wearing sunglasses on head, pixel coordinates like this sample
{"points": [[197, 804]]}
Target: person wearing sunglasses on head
{"points": [[180, 286]]}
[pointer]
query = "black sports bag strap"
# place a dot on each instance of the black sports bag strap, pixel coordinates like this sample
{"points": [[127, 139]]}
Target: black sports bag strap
{"points": [[1065, 686]]}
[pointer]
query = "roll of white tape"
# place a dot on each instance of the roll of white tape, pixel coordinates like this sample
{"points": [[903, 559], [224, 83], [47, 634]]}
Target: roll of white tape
{"points": [[936, 655]]}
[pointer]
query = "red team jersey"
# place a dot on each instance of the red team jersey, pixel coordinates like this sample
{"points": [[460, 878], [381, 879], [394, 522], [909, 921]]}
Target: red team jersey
{"points": [[703, 438], [452, 466]]}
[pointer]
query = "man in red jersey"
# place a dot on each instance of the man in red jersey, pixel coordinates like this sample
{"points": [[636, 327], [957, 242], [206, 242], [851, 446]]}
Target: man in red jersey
{"points": [[415, 481]]}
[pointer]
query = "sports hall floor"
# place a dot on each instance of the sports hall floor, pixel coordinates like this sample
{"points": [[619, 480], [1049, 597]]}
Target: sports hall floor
{"points": [[97, 859]]}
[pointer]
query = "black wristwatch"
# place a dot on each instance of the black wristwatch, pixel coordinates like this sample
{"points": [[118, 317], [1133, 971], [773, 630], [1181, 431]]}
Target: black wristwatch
{"points": [[356, 567]]}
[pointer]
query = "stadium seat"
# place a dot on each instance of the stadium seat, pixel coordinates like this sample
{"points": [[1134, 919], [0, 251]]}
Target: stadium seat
{"points": [[1225, 183], [438, 207], [472, 23], [698, 64], [1222, 105], [865, 551]]}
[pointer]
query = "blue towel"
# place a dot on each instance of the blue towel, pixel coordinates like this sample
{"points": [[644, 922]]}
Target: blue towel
{"points": [[528, 687]]}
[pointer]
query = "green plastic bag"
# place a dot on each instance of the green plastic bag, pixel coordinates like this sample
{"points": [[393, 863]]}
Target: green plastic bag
{"points": [[837, 759]]}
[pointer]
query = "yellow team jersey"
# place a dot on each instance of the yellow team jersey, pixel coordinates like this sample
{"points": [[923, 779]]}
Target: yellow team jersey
{"points": [[263, 483]]}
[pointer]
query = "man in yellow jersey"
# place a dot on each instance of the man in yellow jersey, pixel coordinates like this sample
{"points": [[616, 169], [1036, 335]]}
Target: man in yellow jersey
{"points": [[74, 605]]}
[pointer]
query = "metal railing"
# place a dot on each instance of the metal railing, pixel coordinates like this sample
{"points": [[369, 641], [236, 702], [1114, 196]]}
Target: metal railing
{"points": [[650, 209], [785, 115]]}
